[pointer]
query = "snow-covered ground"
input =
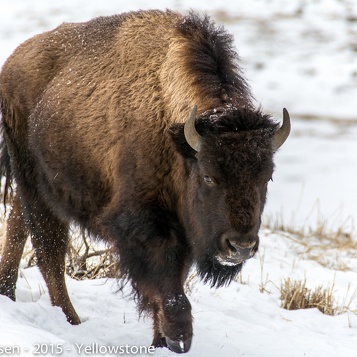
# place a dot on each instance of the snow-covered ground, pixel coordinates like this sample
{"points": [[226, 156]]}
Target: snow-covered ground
{"points": [[299, 54], [234, 321]]}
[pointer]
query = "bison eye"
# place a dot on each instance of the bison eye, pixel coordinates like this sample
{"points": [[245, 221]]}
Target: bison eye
{"points": [[208, 180]]}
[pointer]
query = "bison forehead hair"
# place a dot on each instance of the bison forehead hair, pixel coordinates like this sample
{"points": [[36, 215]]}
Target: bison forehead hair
{"points": [[231, 119], [230, 134], [240, 141]]}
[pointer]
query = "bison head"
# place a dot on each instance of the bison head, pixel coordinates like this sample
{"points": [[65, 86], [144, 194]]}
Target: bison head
{"points": [[228, 155]]}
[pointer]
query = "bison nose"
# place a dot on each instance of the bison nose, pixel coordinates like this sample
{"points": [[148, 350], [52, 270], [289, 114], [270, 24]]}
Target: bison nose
{"points": [[236, 247], [239, 252], [239, 247]]}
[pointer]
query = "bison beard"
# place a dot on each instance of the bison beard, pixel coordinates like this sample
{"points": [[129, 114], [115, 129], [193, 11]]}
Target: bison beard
{"points": [[97, 135], [216, 274]]}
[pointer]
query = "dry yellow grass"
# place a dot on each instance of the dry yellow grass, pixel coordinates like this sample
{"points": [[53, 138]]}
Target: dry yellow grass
{"points": [[86, 261], [296, 295]]}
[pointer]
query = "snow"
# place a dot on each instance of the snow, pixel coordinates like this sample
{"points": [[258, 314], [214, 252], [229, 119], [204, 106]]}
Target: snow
{"points": [[301, 55], [234, 321]]}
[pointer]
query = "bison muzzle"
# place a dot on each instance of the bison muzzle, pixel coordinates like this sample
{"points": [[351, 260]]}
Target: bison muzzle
{"points": [[140, 129]]}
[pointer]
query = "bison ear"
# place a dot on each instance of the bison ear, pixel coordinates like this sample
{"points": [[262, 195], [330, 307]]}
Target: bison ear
{"points": [[177, 134]]}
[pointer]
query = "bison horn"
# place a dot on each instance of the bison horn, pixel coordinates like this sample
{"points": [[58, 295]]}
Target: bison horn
{"points": [[191, 135], [282, 134]]}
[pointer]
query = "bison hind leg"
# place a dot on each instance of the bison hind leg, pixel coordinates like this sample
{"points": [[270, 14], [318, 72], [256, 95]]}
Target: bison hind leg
{"points": [[16, 235], [49, 236]]}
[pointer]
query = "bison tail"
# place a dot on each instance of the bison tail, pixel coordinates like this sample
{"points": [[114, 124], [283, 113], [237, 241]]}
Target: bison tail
{"points": [[5, 172], [5, 169]]}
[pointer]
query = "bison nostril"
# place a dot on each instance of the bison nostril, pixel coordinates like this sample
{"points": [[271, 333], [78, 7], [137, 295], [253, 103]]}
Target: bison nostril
{"points": [[232, 246]]}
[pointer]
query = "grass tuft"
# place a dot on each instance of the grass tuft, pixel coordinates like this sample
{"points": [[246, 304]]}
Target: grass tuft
{"points": [[295, 295]]}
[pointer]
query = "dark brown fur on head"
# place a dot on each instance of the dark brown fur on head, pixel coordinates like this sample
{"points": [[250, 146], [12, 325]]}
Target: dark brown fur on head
{"points": [[237, 154]]}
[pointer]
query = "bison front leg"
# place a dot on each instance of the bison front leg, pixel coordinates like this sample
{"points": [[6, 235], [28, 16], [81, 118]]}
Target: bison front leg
{"points": [[160, 290], [168, 263], [173, 323], [156, 257]]}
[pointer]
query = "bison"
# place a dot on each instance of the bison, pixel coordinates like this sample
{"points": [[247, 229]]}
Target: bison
{"points": [[140, 129]]}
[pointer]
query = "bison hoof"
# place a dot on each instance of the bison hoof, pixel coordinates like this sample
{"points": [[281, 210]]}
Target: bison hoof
{"points": [[179, 346]]}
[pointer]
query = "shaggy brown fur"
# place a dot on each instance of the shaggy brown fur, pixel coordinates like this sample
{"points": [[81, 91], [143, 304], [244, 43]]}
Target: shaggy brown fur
{"points": [[92, 120]]}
